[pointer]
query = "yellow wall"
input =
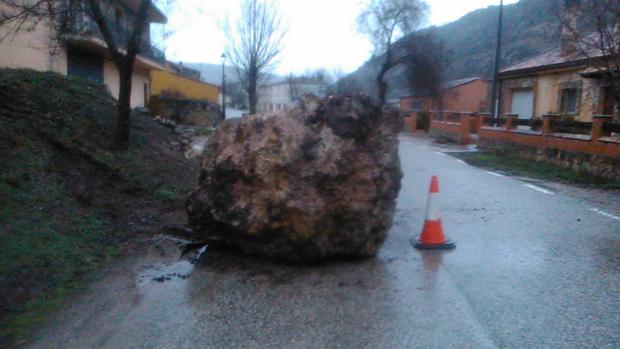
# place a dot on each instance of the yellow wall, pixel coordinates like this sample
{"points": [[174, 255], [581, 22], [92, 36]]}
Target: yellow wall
{"points": [[169, 83], [548, 90], [547, 87]]}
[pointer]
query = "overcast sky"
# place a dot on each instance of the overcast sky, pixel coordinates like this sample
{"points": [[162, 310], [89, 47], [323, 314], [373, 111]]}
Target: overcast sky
{"points": [[322, 33]]}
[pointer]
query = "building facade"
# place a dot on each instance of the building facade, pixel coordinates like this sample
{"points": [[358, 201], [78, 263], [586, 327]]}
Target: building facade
{"points": [[560, 81], [554, 83], [85, 53], [282, 95], [463, 95]]}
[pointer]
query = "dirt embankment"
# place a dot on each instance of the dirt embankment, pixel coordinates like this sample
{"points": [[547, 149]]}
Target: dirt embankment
{"points": [[69, 205]]}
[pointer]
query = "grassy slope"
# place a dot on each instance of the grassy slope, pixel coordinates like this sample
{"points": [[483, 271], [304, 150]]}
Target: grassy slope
{"points": [[67, 204]]}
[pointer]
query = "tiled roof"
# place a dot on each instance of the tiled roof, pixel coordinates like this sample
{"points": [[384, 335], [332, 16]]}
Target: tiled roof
{"points": [[551, 57], [554, 57], [455, 83], [444, 86]]}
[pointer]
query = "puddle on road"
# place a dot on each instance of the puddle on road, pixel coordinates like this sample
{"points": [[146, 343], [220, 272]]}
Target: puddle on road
{"points": [[176, 267], [159, 273]]}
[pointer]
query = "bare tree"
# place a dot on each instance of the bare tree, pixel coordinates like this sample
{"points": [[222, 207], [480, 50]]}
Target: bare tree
{"points": [[67, 19], [424, 59], [292, 87], [124, 62], [592, 29], [321, 75], [255, 44], [385, 21]]}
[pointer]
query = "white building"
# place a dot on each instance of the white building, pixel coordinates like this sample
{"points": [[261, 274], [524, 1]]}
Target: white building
{"points": [[283, 94]]}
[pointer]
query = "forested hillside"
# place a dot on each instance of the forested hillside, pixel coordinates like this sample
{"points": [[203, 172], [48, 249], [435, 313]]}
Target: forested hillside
{"points": [[530, 27]]}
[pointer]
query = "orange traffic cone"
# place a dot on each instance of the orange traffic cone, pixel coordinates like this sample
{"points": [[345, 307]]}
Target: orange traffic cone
{"points": [[432, 237]]}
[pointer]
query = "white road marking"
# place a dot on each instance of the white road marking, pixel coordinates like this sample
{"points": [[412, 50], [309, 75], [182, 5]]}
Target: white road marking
{"points": [[537, 188], [461, 161], [440, 153], [495, 174], [603, 213]]}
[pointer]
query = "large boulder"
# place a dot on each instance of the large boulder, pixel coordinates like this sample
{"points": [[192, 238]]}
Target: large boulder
{"points": [[317, 181]]}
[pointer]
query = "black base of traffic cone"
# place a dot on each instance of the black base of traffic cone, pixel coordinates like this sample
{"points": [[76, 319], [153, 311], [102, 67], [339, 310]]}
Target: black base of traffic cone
{"points": [[446, 245]]}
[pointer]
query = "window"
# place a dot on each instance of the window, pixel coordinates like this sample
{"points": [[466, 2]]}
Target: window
{"points": [[522, 103], [85, 64], [568, 103]]}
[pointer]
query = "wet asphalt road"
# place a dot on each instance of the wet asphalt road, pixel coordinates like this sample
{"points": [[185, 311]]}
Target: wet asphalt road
{"points": [[537, 265]]}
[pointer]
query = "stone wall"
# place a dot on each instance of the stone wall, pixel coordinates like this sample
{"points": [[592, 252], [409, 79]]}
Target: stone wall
{"points": [[597, 165], [186, 111]]}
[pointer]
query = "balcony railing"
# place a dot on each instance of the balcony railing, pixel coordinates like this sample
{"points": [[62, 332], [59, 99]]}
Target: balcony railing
{"points": [[84, 25]]}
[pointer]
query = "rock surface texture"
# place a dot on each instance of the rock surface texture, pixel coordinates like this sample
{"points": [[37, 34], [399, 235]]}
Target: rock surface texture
{"points": [[317, 181]]}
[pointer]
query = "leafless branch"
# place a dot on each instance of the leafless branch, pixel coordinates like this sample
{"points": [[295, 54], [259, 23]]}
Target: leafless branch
{"points": [[255, 44], [384, 22]]}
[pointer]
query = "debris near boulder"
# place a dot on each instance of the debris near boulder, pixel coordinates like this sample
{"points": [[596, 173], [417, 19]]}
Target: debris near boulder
{"points": [[314, 182], [166, 122]]}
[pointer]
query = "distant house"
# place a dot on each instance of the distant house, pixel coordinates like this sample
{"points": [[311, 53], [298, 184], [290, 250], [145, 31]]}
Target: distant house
{"points": [[558, 81], [463, 95], [86, 55], [283, 94]]}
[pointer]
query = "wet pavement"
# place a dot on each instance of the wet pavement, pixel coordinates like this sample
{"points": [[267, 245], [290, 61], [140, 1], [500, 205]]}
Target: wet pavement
{"points": [[536, 265]]}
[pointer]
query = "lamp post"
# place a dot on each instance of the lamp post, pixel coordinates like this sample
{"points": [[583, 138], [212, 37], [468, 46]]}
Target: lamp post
{"points": [[223, 56], [496, 84]]}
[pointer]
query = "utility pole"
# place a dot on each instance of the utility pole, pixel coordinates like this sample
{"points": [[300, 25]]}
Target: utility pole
{"points": [[498, 50], [223, 85]]}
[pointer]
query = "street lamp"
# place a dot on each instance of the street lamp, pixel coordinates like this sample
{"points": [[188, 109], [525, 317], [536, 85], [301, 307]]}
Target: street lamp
{"points": [[495, 90], [223, 56]]}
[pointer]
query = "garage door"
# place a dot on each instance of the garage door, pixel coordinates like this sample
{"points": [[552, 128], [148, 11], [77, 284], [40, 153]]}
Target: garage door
{"points": [[523, 103], [85, 64]]}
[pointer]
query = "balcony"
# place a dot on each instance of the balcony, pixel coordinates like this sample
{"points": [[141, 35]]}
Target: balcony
{"points": [[85, 27]]}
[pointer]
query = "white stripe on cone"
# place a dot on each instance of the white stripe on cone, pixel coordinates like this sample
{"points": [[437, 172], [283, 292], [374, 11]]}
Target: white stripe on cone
{"points": [[432, 207]]}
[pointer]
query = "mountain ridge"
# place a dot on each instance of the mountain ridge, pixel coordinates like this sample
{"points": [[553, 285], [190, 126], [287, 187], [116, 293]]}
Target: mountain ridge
{"points": [[529, 28], [212, 73]]}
